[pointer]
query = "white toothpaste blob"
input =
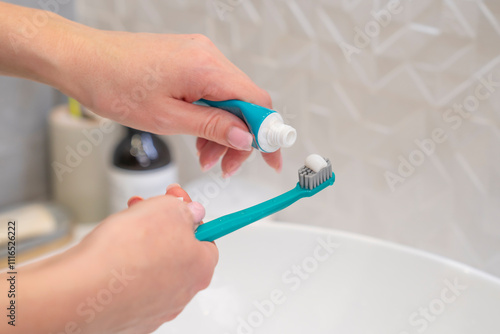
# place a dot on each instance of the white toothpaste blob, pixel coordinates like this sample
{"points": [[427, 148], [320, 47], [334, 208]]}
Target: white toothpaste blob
{"points": [[315, 162]]}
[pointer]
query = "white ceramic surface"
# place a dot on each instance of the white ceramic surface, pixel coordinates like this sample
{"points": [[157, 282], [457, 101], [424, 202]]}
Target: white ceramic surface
{"points": [[284, 278]]}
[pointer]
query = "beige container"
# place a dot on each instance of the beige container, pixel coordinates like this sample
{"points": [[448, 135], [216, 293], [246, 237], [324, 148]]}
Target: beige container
{"points": [[80, 150]]}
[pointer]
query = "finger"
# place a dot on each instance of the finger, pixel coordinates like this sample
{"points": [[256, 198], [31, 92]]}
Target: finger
{"points": [[212, 251], [200, 143], [232, 161], [197, 210], [176, 191], [214, 124], [274, 160], [198, 213], [133, 200], [210, 154]]}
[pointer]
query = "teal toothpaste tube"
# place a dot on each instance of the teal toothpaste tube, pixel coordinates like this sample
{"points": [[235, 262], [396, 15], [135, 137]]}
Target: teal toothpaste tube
{"points": [[267, 126]]}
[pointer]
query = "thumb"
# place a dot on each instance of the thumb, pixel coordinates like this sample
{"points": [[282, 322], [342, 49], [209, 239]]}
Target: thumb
{"points": [[214, 124]]}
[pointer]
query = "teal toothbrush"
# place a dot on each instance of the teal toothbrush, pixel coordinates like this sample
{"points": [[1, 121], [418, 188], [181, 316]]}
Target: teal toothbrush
{"points": [[313, 177]]}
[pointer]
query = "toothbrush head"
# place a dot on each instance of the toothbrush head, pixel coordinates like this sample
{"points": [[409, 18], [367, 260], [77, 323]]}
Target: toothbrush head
{"points": [[315, 176], [316, 172]]}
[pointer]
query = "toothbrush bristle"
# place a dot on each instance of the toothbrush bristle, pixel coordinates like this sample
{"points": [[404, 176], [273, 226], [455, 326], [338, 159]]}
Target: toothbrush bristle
{"points": [[309, 179]]}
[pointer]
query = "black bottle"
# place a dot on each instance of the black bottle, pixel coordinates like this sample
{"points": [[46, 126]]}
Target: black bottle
{"points": [[141, 166]]}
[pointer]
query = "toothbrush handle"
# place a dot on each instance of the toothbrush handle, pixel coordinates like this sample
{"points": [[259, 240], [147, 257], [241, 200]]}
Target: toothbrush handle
{"points": [[221, 226]]}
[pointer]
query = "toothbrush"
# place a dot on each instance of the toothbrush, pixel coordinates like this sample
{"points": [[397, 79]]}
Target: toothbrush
{"points": [[315, 176]]}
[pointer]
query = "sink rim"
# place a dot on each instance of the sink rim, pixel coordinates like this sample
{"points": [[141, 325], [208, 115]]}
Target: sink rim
{"points": [[392, 245]]}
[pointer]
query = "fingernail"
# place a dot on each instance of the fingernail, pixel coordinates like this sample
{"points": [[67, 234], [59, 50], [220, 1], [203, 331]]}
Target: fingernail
{"points": [[134, 199], [240, 139], [173, 185], [208, 166], [225, 175], [230, 170], [197, 210]]}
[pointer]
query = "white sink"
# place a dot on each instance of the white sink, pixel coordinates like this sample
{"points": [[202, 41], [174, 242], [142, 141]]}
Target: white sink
{"points": [[354, 285]]}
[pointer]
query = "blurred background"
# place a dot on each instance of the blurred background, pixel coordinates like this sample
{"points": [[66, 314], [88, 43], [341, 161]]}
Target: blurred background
{"points": [[402, 96]]}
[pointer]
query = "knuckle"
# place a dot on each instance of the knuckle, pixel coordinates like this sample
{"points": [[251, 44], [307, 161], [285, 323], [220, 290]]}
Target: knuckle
{"points": [[204, 282], [201, 51], [210, 128], [204, 60], [162, 123], [205, 267], [200, 38], [205, 277]]}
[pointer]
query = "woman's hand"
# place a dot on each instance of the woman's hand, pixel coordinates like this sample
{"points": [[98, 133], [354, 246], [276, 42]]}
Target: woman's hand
{"points": [[149, 81], [136, 270]]}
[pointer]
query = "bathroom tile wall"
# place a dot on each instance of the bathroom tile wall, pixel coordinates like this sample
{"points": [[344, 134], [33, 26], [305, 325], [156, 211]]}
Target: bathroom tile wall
{"points": [[24, 106], [407, 109], [23, 140]]}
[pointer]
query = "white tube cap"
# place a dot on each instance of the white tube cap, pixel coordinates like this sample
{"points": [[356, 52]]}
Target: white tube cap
{"points": [[283, 135], [273, 134]]}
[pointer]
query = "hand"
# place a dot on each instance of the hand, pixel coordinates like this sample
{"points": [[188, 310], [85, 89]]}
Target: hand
{"points": [[136, 270], [154, 242], [149, 81]]}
